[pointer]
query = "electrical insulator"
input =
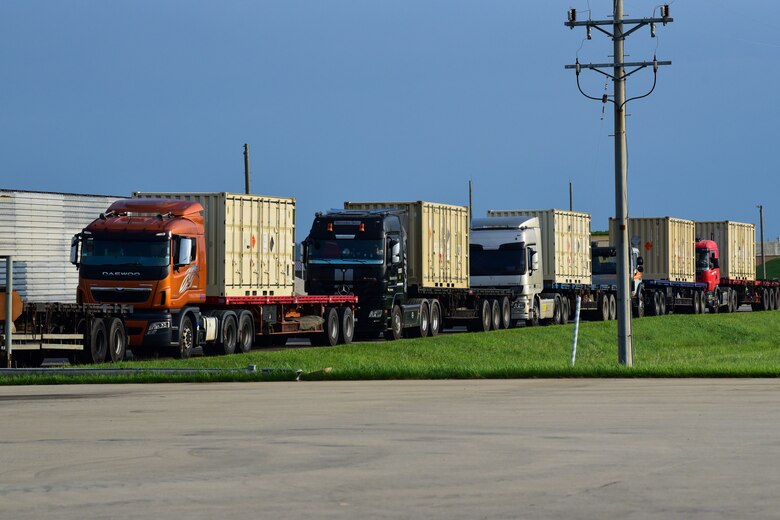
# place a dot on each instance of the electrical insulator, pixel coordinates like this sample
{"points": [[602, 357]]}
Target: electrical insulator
{"points": [[604, 99], [590, 35], [652, 29], [572, 15], [665, 11]]}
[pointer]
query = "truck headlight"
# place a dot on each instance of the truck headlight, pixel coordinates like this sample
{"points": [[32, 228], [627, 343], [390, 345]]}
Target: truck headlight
{"points": [[376, 313], [158, 325]]}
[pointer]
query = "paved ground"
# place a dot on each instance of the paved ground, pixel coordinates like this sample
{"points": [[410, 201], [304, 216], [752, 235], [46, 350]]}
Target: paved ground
{"points": [[443, 449]]}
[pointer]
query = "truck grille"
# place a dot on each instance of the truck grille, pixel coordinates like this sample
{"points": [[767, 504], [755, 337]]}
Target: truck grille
{"points": [[120, 294]]}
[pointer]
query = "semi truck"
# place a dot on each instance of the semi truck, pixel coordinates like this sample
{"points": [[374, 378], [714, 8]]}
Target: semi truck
{"points": [[544, 257], [178, 271], [408, 264], [725, 263]]}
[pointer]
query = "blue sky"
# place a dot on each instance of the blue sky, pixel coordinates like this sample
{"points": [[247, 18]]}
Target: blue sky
{"points": [[390, 100]]}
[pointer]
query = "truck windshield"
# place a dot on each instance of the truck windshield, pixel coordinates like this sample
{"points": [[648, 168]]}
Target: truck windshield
{"points": [[703, 260], [497, 262], [604, 264], [346, 251], [145, 253]]}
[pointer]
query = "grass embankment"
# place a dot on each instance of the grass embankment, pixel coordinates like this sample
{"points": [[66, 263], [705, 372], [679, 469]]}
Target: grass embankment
{"points": [[744, 344], [772, 269]]}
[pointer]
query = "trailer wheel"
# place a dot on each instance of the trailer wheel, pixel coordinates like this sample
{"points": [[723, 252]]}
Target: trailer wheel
{"points": [[612, 307], [117, 339], [662, 303], [765, 300], [435, 317], [603, 308], [777, 298], [734, 301], [246, 332], [695, 303], [639, 311], [186, 338], [98, 342], [347, 321], [506, 313], [395, 332]]}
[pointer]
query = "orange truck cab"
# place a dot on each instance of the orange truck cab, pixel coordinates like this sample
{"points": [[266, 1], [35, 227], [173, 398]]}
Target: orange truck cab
{"points": [[150, 253]]}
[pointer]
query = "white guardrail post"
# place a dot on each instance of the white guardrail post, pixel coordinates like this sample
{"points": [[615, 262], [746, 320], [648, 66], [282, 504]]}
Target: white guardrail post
{"points": [[576, 331]]}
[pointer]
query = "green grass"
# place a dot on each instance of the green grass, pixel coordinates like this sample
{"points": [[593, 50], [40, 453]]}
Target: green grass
{"points": [[727, 345], [772, 269]]}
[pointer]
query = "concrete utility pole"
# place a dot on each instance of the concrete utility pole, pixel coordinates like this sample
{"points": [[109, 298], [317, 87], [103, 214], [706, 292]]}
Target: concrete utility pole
{"points": [[571, 198], [761, 225], [618, 76], [246, 167]]}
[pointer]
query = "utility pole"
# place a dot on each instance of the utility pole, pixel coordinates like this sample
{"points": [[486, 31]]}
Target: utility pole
{"points": [[246, 168], [618, 76], [471, 215], [761, 224], [571, 198]]}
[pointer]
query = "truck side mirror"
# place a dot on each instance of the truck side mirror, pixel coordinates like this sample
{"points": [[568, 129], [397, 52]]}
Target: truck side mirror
{"points": [[640, 269], [640, 262], [534, 259], [185, 249], [74, 250], [305, 252]]}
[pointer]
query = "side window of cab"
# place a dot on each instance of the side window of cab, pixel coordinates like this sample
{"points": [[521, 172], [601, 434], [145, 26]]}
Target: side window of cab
{"points": [[184, 250]]}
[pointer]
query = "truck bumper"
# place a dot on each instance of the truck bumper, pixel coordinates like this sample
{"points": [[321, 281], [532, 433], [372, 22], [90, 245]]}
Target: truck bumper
{"points": [[142, 333]]}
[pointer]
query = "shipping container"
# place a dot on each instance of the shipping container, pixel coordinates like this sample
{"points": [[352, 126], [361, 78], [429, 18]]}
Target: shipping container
{"points": [[565, 243], [250, 247], [736, 244], [667, 245], [36, 230], [438, 241]]}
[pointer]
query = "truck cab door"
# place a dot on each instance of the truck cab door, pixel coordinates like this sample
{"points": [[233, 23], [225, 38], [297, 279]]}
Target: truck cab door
{"points": [[186, 281]]}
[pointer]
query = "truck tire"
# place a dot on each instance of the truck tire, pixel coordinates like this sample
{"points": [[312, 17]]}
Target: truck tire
{"points": [[662, 303], [603, 308], [639, 310], [229, 334], [347, 322], [557, 310], [612, 307], [777, 298], [695, 303], [533, 320], [506, 313], [734, 301], [395, 332], [765, 300], [329, 337], [117, 339], [186, 338], [485, 317], [246, 332], [436, 322], [97, 347], [655, 304], [495, 315]]}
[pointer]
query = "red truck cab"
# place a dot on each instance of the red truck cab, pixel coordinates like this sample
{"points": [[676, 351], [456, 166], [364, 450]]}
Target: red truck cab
{"points": [[707, 264]]}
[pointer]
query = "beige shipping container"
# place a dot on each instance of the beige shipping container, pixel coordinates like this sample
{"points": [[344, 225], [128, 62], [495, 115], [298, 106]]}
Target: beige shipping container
{"points": [[666, 244], [736, 247], [565, 243], [437, 242], [250, 242]]}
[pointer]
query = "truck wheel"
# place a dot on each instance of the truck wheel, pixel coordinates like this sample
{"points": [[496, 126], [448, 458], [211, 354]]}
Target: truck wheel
{"points": [[395, 332], [347, 321], [557, 310], [186, 339], [662, 303], [734, 301], [506, 313], [765, 300], [695, 304], [229, 334], [603, 308], [495, 315], [715, 308], [777, 298], [485, 317], [533, 320], [639, 311], [435, 318], [117, 339], [655, 304], [330, 334], [246, 332], [98, 342], [612, 307]]}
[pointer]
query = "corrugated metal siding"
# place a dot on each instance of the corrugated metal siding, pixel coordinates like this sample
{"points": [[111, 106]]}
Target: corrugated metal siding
{"points": [[250, 242], [36, 228], [667, 245], [736, 246], [565, 239], [437, 242]]}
